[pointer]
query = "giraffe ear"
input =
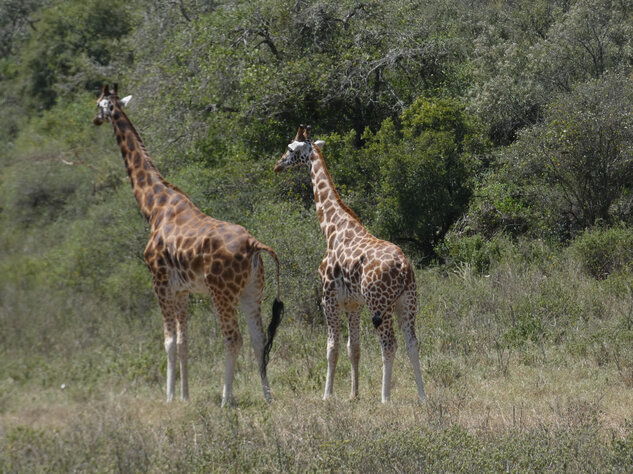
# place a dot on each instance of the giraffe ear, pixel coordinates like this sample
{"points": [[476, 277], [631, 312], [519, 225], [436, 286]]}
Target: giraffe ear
{"points": [[125, 100], [319, 143], [299, 136]]}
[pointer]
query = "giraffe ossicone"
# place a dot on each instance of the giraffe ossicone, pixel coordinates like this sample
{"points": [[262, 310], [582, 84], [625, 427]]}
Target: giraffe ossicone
{"points": [[358, 269], [190, 252]]}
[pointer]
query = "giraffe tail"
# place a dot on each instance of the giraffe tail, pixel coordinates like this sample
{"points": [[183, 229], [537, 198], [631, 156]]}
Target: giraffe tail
{"points": [[277, 310]]}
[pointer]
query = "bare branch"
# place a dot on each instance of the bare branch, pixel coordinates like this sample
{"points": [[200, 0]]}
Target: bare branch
{"points": [[267, 40], [183, 11]]}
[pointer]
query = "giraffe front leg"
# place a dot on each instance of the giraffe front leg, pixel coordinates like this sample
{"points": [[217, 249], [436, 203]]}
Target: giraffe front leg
{"points": [[333, 331], [353, 346], [170, 305], [170, 349]]}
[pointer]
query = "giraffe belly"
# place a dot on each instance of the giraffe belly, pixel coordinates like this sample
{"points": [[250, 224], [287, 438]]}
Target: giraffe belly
{"points": [[182, 281]]}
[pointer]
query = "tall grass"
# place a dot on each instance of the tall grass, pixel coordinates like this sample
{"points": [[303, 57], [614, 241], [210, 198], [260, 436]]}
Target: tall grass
{"points": [[528, 366]]}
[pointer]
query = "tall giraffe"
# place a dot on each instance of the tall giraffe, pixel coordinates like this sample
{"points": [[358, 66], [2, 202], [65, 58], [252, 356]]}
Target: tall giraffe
{"points": [[190, 252], [357, 269]]}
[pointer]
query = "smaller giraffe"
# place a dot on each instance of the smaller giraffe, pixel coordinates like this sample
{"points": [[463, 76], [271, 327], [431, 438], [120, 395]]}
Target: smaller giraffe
{"points": [[190, 252], [358, 269]]}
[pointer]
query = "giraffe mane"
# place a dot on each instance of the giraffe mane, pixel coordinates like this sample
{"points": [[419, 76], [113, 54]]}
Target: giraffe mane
{"points": [[340, 202], [146, 153]]}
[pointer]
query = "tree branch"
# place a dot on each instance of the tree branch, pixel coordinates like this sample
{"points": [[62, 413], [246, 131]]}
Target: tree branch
{"points": [[267, 40]]}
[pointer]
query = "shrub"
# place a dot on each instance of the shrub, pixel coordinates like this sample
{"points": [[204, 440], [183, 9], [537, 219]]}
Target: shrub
{"points": [[474, 250], [602, 252]]}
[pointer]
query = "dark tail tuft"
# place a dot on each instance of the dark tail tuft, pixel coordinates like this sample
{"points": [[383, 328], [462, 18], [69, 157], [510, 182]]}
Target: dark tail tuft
{"points": [[377, 320], [278, 311]]}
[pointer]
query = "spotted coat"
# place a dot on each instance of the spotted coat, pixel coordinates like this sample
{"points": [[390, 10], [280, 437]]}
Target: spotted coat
{"points": [[358, 269], [190, 252]]}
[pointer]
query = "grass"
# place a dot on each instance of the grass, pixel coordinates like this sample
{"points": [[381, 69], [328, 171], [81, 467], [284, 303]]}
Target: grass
{"points": [[528, 367]]}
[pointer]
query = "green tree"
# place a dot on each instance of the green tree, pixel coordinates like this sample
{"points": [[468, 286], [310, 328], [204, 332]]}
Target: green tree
{"points": [[426, 171], [249, 74], [525, 54], [577, 167], [73, 48]]}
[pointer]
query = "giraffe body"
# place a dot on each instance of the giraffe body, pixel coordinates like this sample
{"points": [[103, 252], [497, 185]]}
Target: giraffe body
{"points": [[358, 269], [190, 252]]}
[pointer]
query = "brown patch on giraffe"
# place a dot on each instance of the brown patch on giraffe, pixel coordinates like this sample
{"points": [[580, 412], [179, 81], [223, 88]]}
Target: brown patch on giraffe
{"points": [[216, 267], [228, 273], [140, 178]]}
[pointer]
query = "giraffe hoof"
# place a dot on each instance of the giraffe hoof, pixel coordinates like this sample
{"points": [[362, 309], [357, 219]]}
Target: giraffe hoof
{"points": [[377, 320], [228, 403]]}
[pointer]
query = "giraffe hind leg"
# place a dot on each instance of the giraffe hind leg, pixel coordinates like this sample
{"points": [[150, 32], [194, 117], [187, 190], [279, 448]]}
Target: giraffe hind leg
{"points": [[405, 309], [251, 306], [226, 308], [388, 346]]}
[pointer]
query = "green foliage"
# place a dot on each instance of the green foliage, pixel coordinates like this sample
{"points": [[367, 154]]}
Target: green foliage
{"points": [[261, 68], [531, 52], [72, 47], [602, 252], [569, 173], [474, 250], [499, 205], [426, 173]]}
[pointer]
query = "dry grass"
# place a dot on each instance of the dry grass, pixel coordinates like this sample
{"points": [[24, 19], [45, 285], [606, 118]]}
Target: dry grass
{"points": [[527, 368]]}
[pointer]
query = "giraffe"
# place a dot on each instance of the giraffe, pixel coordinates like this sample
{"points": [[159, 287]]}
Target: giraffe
{"points": [[358, 269], [190, 252]]}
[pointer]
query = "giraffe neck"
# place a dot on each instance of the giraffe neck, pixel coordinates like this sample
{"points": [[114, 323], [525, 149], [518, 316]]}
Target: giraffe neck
{"points": [[147, 183], [331, 210]]}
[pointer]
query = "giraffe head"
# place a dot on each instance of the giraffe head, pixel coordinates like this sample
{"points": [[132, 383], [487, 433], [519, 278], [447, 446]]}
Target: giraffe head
{"points": [[106, 104], [299, 150]]}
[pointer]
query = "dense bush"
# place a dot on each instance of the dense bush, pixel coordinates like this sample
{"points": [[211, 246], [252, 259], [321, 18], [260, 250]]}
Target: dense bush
{"points": [[73, 48], [602, 252], [568, 173], [426, 173], [474, 250]]}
